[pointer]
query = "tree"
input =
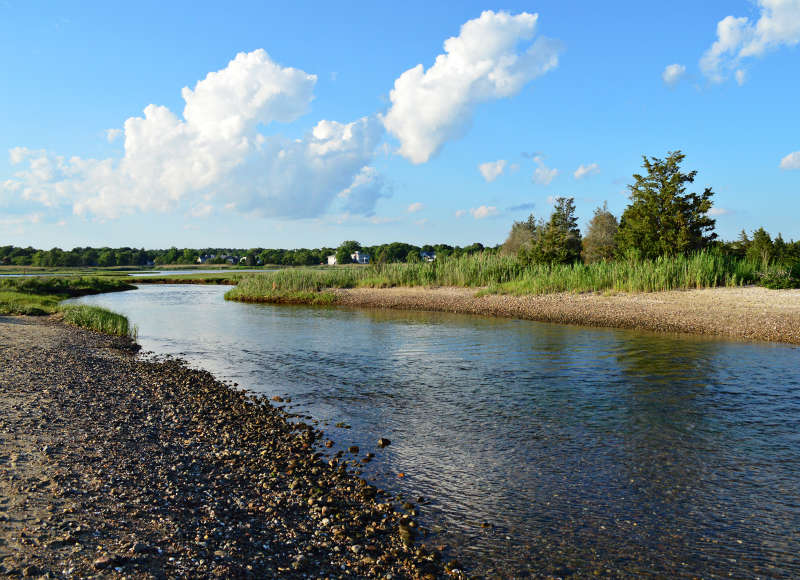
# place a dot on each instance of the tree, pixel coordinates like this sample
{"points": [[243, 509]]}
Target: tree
{"points": [[600, 244], [346, 250], [559, 240], [662, 219], [520, 235], [761, 248]]}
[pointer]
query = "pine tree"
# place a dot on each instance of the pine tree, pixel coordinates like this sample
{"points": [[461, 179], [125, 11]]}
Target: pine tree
{"points": [[662, 219]]}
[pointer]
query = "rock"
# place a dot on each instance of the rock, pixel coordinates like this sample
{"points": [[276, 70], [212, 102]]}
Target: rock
{"points": [[383, 442], [277, 399], [140, 548], [353, 449], [108, 561], [30, 572]]}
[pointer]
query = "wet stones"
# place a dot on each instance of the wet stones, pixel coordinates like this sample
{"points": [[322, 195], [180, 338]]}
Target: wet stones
{"points": [[383, 442]]}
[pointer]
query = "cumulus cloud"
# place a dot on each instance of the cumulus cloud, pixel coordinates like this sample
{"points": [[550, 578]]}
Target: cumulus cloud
{"points": [[483, 211], [738, 38], [543, 175], [672, 74], [491, 170], [484, 62], [461, 213], [586, 170], [791, 161], [415, 207], [216, 150]]}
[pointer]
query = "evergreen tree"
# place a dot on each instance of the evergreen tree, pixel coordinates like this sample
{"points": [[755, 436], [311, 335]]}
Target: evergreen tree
{"points": [[600, 241], [662, 219]]}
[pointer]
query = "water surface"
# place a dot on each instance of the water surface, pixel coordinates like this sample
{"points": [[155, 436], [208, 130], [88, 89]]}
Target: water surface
{"points": [[585, 450]]}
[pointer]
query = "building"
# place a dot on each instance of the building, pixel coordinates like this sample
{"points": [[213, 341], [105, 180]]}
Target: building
{"points": [[360, 258], [427, 256], [331, 260]]}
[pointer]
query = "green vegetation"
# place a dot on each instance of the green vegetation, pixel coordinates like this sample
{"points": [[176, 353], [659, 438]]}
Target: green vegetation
{"points": [[40, 296], [27, 304], [122, 259], [99, 319], [65, 287], [662, 219], [503, 273], [705, 269]]}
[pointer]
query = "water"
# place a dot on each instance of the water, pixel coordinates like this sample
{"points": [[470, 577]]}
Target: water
{"points": [[586, 450], [197, 271]]}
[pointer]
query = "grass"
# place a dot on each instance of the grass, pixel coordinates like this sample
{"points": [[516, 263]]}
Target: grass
{"points": [[67, 287], [99, 319], [502, 274], [28, 304], [41, 296]]}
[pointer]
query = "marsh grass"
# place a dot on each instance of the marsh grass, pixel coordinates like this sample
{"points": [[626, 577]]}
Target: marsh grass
{"points": [[28, 304], [99, 319], [40, 296], [503, 274], [65, 286]]}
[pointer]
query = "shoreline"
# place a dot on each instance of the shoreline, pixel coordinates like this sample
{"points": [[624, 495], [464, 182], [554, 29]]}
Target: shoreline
{"points": [[151, 469], [742, 313]]}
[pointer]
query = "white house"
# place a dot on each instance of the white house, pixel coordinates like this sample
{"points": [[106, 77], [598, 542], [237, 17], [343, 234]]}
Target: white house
{"points": [[427, 256], [332, 260], [360, 258]]}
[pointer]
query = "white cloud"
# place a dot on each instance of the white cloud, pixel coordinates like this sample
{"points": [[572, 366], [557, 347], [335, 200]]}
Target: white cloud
{"points": [[461, 213], [484, 62], [113, 134], [415, 207], [202, 210], [491, 170], [672, 74], [421, 222], [586, 170], [217, 151], [543, 175], [718, 211], [739, 38], [483, 211], [741, 77], [791, 161]]}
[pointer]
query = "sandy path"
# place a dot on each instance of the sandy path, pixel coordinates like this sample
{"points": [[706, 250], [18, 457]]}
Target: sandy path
{"points": [[750, 313]]}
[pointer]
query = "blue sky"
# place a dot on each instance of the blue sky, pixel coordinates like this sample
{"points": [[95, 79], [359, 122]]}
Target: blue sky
{"points": [[305, 124]]}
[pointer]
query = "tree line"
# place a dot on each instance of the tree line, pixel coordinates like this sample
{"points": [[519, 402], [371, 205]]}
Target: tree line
{"points": [[662, 219], [112, 257]]}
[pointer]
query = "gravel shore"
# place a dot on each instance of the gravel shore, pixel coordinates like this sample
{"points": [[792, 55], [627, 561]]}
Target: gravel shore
{"points": [[749, 313], [115, 466]]}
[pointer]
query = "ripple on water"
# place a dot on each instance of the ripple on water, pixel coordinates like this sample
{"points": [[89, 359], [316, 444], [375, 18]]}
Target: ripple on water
{"points": [[585, 449]]}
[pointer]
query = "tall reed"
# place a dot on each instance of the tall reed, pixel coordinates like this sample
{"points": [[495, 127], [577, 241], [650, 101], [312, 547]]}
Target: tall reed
{"points": [[506, 274]]}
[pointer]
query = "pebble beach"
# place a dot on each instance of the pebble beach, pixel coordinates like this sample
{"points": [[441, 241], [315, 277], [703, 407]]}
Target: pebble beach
{"points": [[123, 466]]}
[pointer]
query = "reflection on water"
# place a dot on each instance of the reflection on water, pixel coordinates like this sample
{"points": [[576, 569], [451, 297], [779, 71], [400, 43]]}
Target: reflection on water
{"points": [[586, 450]]}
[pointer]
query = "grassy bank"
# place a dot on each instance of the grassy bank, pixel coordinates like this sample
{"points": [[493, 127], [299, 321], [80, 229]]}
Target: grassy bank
{"points": [[500, 274], [99, 319], [42, 296]]}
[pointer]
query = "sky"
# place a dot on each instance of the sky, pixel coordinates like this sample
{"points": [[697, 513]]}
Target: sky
{"points": [[304, 124]]}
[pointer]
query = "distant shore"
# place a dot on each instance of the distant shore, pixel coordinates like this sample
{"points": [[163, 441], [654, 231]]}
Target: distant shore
{"points": [[113, 465], [749, 313]]}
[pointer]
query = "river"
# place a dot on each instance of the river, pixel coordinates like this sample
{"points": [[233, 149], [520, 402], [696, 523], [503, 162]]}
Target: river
{"points": [[540, 448]]}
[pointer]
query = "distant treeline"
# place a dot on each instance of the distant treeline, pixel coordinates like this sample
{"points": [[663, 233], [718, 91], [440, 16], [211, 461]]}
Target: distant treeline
{"points": [[110, 257]]}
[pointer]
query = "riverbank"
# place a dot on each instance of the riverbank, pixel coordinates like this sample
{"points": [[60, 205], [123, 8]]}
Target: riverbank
{"points": [[111, 464], [750, 313]]}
